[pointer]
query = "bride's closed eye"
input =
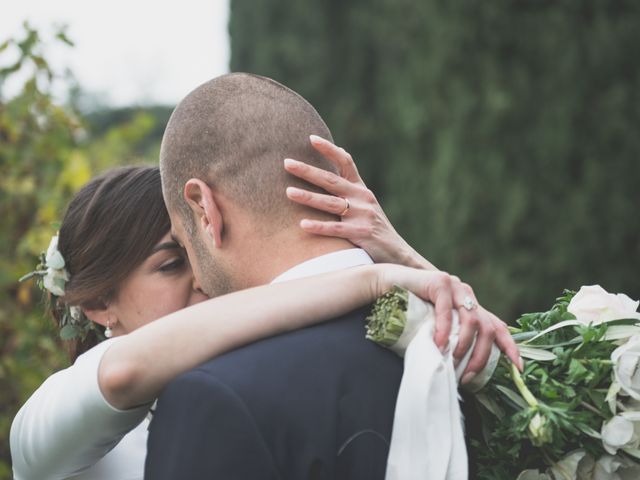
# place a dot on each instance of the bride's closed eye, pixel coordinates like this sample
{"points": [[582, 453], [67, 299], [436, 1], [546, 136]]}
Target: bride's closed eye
{"points": [[168, 258], [175, 264]]}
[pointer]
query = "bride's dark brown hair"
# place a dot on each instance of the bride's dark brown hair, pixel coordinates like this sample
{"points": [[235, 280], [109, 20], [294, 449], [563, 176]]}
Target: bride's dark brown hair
{"points": [[108, 230]]}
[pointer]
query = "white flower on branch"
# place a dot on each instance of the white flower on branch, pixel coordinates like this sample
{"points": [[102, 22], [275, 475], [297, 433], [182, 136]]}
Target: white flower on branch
{"points": [[626, 361], [614, 468], [594, 305], [621, 432]]}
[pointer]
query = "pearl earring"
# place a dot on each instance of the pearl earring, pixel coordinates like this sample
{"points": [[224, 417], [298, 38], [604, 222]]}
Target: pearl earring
{"points": [[107, 331]]}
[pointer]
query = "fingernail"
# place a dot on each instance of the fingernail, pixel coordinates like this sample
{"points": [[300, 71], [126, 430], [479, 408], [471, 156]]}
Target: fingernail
{"points": [[290, 162], [315, 138], [467, 377], [293, 191], [305, 223]]}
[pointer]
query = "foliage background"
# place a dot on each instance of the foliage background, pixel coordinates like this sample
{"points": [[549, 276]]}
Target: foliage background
{"points": [[501, 138], [48, 151]]}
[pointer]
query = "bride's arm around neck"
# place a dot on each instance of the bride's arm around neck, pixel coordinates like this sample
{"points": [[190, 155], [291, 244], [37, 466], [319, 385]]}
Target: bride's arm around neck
{"points": [[79, 414]]}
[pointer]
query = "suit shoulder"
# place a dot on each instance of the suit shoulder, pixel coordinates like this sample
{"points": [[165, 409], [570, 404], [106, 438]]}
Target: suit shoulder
{"points": [[325, 354], [330, 341]]}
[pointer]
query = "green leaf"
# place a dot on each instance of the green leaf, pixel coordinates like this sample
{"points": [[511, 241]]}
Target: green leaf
{"points": [[566, 323], [69, 332], [27, 276], [618, 332], [577, 372], [513, 396], [538, 354], [634, 452], [490, 404], [588, 430]]}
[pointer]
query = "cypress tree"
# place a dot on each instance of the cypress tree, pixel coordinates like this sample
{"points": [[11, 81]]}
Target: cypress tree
{"points": [[499, 136]]}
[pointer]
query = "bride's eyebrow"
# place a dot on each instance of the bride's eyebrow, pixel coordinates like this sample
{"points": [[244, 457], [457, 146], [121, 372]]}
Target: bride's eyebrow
{"points": [[164, 246]]}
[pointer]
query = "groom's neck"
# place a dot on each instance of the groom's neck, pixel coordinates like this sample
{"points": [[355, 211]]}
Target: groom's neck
{"points": [[277, 255]]}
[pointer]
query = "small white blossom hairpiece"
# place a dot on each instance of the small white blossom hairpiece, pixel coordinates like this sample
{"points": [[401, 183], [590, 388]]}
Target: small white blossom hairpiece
{"points": [[53, 277], [56, 275], [51, 270]]}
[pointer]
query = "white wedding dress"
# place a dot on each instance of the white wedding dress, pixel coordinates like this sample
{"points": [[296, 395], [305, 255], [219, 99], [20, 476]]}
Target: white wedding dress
{"points": [[67, 430]]}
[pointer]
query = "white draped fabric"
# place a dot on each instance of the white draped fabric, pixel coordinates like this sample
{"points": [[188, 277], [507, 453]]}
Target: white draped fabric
{"points": [[428, 437]]}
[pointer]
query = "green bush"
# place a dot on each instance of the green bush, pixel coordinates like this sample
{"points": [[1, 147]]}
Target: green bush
{"points": [[500, 136], [47, 152]]}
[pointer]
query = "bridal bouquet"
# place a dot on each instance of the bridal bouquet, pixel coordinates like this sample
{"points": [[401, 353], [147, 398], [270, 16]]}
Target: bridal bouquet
{"points": [[574, 412]]}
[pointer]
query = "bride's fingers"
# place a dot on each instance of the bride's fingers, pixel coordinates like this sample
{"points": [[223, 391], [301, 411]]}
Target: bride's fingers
{"points": [[336, 229], [469, 320], [442, 298], [338, 156], [468, 329], [481, 352], [505, 343], [319, 201], [328, 181]]}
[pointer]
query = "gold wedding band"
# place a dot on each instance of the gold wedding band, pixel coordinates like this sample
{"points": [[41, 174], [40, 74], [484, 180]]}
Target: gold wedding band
{"points": [[346, 207]]}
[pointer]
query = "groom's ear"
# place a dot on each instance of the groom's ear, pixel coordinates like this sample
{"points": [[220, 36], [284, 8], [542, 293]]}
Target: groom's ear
{"points": [[200, 199]]}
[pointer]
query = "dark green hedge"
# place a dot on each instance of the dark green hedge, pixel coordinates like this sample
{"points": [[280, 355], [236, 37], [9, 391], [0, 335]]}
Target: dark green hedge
{"points": [[500, 136]]}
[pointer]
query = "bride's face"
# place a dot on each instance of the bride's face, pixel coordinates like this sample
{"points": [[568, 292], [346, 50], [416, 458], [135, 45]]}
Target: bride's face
{"points": [[162, 284]]}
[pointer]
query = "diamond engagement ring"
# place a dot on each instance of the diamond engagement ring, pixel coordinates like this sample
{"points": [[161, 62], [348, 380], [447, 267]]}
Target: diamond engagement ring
{"points": [[346, 207], [469, 304]]}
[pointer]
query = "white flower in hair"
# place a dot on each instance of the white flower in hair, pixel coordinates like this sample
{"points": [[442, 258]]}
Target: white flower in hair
{"points": [[56, 276], [75, 312], [53, 257]]}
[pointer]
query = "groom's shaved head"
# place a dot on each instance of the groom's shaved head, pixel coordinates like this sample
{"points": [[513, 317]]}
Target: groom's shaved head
{"points": [[234, 132]]}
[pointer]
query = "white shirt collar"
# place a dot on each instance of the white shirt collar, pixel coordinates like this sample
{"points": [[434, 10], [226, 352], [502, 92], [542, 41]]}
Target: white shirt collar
{"points": [[330, 262]]}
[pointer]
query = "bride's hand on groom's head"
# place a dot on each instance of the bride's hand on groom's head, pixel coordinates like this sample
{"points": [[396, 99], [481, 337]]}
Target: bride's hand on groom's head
{"points": [[362, 222]]}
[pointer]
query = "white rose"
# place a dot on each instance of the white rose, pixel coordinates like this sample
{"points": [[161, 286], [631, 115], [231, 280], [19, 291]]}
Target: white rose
{"points": [[626, 366], [567, 468], [621, 431], [615, 468], [54, 280], [54, 258], [593, 304]]}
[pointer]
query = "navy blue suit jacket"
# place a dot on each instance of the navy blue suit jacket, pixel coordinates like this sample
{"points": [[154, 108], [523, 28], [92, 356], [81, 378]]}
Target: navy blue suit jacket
{"points": [[316, 403]]}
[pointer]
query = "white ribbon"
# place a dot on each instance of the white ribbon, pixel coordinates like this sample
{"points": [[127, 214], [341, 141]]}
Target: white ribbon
{"points": [[427, 442]]}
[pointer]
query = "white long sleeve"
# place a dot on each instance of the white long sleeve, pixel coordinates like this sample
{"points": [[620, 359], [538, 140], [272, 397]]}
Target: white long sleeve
{"points": [[67, 425]]}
